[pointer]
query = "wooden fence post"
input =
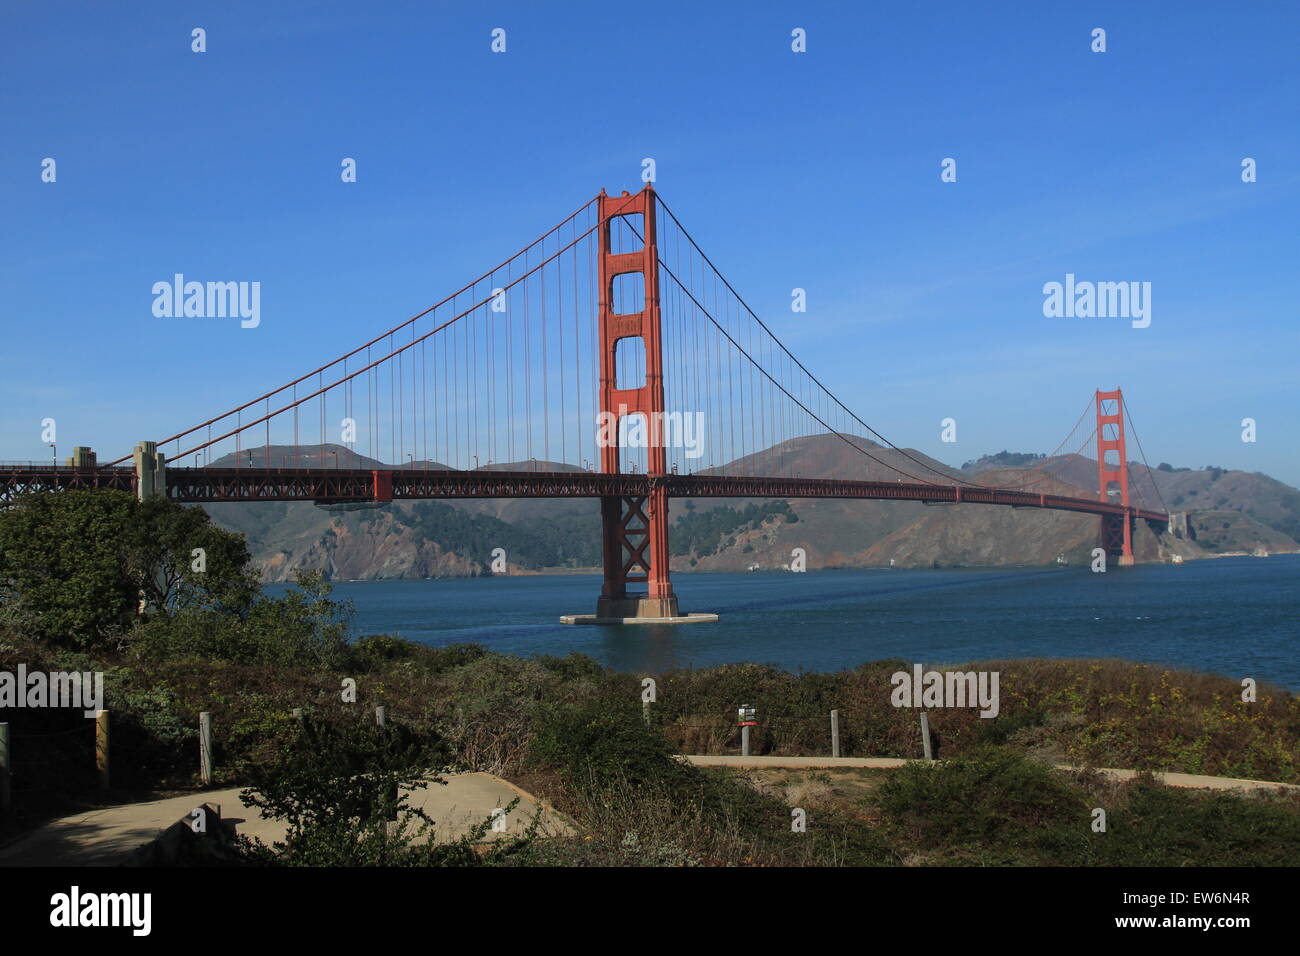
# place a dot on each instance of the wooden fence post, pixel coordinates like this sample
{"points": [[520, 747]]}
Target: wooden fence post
{"points": [[205, 748], [101, 747], [835, 733], [925, 735]]}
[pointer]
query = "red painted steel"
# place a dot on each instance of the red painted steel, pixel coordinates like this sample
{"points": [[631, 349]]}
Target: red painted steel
{"points": [[1116, 533], [634, 507], [634, 553], [359, 485]]}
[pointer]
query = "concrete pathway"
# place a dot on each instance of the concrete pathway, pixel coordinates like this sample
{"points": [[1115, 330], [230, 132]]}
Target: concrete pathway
{"points": [[105, 836], [1170, 779]]}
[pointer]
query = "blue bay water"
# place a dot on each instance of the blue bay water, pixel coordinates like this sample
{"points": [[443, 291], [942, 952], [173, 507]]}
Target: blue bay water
{"points": [[1232, 616]]}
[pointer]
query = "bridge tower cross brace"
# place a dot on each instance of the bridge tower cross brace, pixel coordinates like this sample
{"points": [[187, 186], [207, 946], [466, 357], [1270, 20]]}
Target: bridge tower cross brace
{"points": [[1116, 530], [635, 530]]}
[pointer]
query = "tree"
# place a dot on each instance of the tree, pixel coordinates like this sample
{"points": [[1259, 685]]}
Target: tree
{"points": [[75, 565], [302, 628], [183, 562]]}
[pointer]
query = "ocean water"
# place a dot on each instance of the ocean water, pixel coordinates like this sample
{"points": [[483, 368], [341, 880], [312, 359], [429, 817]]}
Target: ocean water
{"points": [[1233, 616]]}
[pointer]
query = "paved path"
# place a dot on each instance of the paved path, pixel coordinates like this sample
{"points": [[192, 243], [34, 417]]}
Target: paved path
{"points": [[888, 763], [103, 837]]}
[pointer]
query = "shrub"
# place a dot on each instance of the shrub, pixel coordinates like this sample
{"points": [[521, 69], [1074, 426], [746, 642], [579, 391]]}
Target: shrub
{"points": [[302, 629], [1164, 826], [991, 802], [338, 786], [600, 742]]}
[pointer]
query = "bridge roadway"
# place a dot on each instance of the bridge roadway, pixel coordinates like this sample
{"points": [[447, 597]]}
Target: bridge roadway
{"points": [[344, 485]]}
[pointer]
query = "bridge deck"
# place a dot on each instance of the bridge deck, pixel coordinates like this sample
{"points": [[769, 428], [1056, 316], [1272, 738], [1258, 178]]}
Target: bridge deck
{"points": [[364, 485]]}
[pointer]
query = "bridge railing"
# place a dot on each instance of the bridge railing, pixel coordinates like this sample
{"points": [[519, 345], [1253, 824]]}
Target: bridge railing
{"points": [[54, 466]]}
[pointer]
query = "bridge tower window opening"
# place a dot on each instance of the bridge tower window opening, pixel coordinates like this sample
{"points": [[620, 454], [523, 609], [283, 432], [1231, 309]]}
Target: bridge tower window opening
{"points": [[629, 363], [627, 233], [629, 293]]}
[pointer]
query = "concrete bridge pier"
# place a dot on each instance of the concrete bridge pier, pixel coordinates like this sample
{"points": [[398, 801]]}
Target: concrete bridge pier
{"points": [[150, 470], [82, 457]]}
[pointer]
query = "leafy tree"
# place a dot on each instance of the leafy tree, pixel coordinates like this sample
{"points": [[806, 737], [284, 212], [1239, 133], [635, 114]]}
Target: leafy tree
{"points": [[75, 565], [184, 562], [303, 629], [63, 571]]}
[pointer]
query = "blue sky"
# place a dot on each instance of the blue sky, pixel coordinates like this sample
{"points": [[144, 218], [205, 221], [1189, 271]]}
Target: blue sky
{"points": [[817, 170]]}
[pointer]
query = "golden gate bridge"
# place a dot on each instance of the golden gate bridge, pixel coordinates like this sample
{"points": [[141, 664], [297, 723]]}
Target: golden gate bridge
{"points": [[576, 368]]}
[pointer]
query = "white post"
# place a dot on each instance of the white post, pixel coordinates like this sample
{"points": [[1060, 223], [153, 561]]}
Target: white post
{"points": [[835, 733], [925, 735]]}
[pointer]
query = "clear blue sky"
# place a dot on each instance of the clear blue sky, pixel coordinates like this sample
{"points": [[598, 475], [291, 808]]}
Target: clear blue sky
{"points": [[818, 170]]}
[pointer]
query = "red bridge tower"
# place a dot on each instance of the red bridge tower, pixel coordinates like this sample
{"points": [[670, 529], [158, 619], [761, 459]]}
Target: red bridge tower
{"points": [[635, 529], [1112, 476]]}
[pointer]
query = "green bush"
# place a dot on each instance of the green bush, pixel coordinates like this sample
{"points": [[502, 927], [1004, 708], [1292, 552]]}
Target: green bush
{"points": [[600, 742], [374, 651], [303, 629], [997, 730], [339, 787], [992, 803], [1164, 826], [151, 738]]}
